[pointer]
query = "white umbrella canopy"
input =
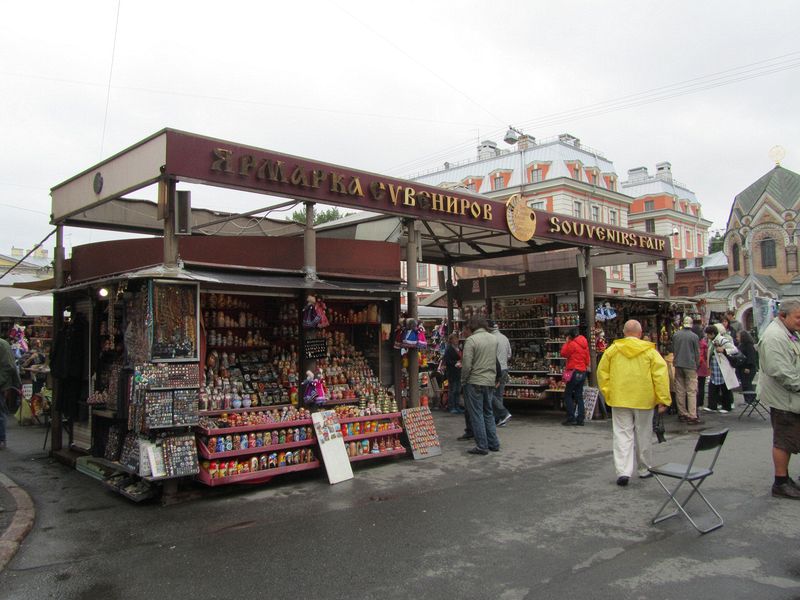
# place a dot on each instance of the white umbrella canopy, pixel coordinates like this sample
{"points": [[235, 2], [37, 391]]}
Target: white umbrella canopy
{"points": [[27, 306]]}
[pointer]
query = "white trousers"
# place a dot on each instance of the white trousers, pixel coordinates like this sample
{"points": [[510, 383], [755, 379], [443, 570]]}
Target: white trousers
{"points": [[633, 433]]}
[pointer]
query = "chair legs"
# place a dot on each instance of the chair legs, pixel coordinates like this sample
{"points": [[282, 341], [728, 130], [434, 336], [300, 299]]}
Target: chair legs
{"points": [[754, 405], [681, 506]]}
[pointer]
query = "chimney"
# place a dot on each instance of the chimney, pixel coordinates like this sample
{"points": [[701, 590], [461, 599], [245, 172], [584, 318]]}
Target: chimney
{"points": [[567, 138], [664, 171], [525, 142], [637, 174], [487, 149]]}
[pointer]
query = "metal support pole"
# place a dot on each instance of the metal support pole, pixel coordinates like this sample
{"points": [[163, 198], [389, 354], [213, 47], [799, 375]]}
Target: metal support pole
{"points": [[449, 287], [664, 270], [411, 276], [588, 306], [310, 244], [171, 256], [58, 329]]}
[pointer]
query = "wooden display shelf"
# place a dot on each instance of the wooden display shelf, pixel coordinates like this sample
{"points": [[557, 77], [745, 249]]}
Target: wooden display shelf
{"points": [[259, 408], [332, 324], [255, 476], [373, 434], [525, 371], [166, 388], [539, 399], [563, 325], [206, 453], [379, 417], [525, 339], [342, 401], [257, 427], [378, 455], [151, 492]]}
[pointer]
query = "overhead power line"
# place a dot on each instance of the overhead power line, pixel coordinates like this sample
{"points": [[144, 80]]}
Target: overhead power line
{"points": [[694, 85]]}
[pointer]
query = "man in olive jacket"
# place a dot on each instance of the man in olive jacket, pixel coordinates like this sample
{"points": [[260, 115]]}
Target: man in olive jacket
{"points": [[779, 388], [478, 375], [9, 384], [634, 379]]}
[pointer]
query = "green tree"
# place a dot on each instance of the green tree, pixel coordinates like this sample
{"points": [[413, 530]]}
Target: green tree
{"points": [[320, 216], [715, 243]]}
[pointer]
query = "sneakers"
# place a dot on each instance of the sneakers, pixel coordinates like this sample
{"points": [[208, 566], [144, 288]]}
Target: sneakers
{"points": [[722, 411], [705, 408], [623, 481], [645, 475], [502, 422], [696, 421], [568, 422], [494, 449], [465, 437], [786, 490], [482, 452]]}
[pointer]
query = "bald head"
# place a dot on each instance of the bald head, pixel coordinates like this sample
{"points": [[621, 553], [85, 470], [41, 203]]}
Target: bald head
{"points": [[632, 328]]}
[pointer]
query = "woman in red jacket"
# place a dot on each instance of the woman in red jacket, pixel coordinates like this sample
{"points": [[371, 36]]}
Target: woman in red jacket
{"points": [[576, 351]]}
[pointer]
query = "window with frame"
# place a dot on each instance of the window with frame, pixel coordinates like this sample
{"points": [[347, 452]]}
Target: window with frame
{"points": [[471, 186], [736, 260], [538, 205], [768, 257], [596, 214], [650, 225], [498, 183], [683, 290], [576, 172], [577, 209], [536, 175], [422, 272], [682, 263], [689, 240], [591, 177], [612, 217], [653, 287], [649, 205], [699, 289]]}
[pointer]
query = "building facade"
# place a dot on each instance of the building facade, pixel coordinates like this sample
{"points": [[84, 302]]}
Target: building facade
{"points": [[761, 242], [560, 175], [664, 206]]}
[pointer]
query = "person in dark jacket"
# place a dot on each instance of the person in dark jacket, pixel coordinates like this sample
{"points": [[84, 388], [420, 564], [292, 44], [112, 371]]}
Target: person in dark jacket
{"points": [[576, 351], [452, 363], [747, 371], [10, 384], [686, 349]]}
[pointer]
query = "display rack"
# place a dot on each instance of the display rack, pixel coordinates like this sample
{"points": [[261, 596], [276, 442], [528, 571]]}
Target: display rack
{"points": [[525, 321], [372, 436]]}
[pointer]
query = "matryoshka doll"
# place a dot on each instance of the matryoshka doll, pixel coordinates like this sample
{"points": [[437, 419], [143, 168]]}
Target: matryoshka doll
{"points": [[273, 460], [263, 462], [254, 464], [289, 458], [251, 440], [211, 444]]}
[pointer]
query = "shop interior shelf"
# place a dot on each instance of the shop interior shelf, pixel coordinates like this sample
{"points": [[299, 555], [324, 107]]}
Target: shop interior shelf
{"points": [[342, 401], [532, 399], [238, 349], [206, 453], [255, 476], [257, 427], [555, 374], [524, 339], [113, 465], [173, 426], [525, 371], [166, 477], [351, 324], [104, 412], [372, 434], [163, 388], [526, 385], [554, 390], [370, 417], [379, 455], [563, 325], [215, 412]]}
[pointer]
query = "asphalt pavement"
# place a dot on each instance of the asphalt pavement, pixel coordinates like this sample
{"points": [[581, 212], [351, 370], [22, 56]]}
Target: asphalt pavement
{"points": [[543, 518]]}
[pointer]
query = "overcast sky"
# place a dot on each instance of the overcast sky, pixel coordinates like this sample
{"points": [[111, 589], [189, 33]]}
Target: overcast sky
{"points": [[395, 88]]}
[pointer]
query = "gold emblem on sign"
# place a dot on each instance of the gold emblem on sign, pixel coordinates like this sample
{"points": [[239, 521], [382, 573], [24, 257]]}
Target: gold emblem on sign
{"points": [[520, 218]]}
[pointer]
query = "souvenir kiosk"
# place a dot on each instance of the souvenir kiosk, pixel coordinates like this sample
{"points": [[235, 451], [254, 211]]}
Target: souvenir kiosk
{"points": [[180, 299]]}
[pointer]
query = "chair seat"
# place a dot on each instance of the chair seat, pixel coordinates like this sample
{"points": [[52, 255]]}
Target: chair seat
{"points": [[678, 471]]}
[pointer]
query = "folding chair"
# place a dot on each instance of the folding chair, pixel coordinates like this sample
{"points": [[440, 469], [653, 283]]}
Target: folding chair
{"points": [[752, 403], [694, 476]]}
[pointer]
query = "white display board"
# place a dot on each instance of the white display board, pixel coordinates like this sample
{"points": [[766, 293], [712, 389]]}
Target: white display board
{"points": [[331, 446]]}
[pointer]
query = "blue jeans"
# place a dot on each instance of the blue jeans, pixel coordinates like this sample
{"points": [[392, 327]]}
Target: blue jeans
{"points": [[573, 397], [453, 388], [479, 406], [499, 409]]}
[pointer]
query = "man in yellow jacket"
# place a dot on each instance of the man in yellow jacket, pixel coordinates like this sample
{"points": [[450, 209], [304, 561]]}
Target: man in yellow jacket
{"points": [[633, 378]]}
